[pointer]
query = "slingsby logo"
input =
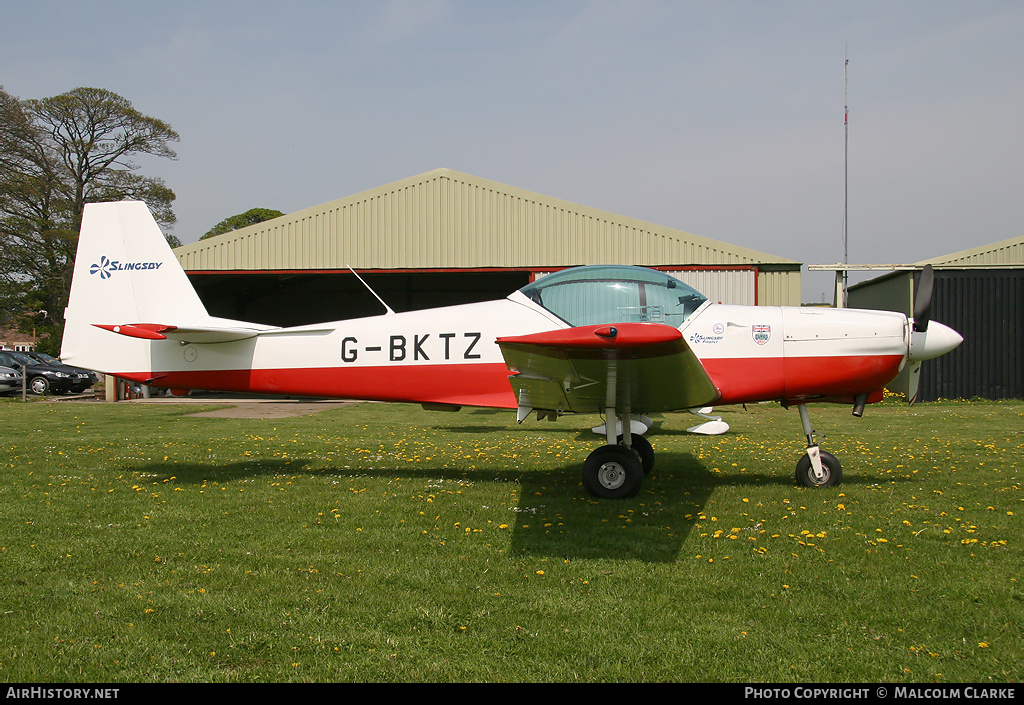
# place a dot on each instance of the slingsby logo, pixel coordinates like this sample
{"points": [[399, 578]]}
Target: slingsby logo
{"points": [[107, 267]]}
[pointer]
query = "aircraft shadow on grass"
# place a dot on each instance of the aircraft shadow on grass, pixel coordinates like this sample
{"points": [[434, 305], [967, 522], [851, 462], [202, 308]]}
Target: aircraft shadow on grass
{"points": [[554, 515]]}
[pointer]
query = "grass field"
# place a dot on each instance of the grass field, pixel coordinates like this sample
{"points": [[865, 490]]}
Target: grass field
{"points": [[384, 543]]}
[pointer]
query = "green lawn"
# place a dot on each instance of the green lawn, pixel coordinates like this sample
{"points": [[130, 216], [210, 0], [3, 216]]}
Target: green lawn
{"points": [[384, 543]]}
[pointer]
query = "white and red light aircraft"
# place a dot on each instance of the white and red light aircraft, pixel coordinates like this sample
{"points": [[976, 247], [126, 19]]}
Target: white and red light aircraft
{"points": [[615, 340]]}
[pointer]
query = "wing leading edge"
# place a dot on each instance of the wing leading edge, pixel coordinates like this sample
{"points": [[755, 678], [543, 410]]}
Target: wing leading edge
{"points": [[643, 367]]}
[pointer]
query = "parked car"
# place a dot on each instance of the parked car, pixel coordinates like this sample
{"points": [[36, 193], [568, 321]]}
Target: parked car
{"points": [[43, 379], [10, 380], [45, 359]]}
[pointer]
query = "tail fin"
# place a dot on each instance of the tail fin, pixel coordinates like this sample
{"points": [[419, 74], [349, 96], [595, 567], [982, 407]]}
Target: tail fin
{"points": [[125, 273]]}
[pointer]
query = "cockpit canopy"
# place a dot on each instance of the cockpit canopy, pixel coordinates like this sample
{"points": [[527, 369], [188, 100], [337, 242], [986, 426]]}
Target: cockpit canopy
{"points": [[596, 295]]}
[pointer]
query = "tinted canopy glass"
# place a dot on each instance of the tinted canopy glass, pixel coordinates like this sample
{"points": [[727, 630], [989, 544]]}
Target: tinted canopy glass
{"points": [[597, 295]]}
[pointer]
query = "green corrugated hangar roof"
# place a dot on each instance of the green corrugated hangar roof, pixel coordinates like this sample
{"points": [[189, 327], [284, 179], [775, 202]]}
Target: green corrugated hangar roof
{"points": [[1003, 254], [448, 220]]}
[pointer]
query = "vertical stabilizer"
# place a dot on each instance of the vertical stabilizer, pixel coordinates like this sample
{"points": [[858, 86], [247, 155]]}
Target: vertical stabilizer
{"points": [[125, 273]]}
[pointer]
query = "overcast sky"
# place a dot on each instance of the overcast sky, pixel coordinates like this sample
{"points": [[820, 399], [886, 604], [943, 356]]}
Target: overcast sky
{"points": [[724, 119]]}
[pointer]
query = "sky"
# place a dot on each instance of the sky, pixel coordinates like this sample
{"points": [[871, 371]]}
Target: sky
{"points": [[723, 119]]}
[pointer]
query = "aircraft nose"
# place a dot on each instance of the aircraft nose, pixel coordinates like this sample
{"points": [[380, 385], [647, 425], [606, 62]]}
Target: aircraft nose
{"points": [[938, 340]]}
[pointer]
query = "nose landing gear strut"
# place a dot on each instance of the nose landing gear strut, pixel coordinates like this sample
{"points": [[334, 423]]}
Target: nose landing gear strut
{"points": [[816, 468]]}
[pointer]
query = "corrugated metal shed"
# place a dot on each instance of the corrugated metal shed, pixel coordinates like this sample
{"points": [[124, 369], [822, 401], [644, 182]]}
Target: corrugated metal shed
{"points": [[1006, 253], [979, 293], [447, 220], [986, 307]]}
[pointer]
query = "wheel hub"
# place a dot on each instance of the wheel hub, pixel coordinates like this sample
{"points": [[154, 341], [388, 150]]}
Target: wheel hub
{"points": [[611, 475]]}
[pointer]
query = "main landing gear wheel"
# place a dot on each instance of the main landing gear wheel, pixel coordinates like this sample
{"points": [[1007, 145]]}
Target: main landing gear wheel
{"points": [[830, 466], [613, 472], [642, 447]]}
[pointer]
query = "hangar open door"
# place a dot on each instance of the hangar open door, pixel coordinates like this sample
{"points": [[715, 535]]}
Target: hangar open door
{"points": [[304, 297]]}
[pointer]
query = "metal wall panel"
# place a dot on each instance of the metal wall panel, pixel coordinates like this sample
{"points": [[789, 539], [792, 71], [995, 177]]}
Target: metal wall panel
{"points": [[724, 286], [987, 308], [777, 287]]}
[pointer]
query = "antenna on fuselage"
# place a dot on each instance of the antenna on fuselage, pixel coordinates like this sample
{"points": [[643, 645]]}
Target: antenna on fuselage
{"points": [[388, 308]]}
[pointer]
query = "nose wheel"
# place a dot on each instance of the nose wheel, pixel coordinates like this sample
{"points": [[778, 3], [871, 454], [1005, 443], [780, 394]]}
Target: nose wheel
{"points": [[816, 468], [831, 473]]}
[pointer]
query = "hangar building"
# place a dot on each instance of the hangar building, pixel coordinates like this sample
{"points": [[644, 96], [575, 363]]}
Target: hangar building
{"points": [[443, 238], [980, 294]]}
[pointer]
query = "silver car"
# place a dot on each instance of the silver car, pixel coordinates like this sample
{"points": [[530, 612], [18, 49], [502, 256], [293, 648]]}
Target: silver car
{"points": [[10, 380]]}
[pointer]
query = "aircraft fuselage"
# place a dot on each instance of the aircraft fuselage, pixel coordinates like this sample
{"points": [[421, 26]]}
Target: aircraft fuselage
{"points": [[449, 355]]}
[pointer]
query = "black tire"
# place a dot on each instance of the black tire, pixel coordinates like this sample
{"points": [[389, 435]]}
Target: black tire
{"points": [[39, 385], [832, 467], [613, 472], [642, 447]]}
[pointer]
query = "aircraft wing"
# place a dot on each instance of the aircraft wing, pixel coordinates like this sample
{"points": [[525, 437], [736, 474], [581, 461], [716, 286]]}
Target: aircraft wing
{"points": [[644, 367]]}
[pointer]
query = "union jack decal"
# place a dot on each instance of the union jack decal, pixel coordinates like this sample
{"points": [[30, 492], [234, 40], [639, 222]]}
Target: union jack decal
{"points": [[761, 332]]}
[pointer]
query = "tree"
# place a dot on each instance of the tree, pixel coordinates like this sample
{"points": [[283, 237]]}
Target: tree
{"points": [[56, 155], [250, 217]]}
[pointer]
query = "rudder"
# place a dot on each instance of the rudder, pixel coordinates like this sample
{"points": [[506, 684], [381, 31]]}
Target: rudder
{"points": [[125, 272]]}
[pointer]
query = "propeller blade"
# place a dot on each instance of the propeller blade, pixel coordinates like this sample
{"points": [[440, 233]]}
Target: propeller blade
{"points": [[923, 299], [913, 384]]}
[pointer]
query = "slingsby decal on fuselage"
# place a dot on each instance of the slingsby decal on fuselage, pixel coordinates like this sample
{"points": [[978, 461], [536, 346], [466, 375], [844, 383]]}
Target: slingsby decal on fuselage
{"points": [[718, 333], [447, 346]]}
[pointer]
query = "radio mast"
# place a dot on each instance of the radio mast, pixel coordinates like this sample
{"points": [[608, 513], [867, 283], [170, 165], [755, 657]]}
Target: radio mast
{"points": [[846, 173]]}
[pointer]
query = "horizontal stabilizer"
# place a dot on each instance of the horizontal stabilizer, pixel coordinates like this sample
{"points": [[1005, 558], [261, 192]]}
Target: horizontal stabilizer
{"points": [[713, 426], [146, 331], [204, 334], [710, 428], [191, 334]]}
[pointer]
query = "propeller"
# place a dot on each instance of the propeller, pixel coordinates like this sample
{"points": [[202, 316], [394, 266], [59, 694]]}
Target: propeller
{"points": [[926, 344], [923, 299], [922, 314], [914, 383]]}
